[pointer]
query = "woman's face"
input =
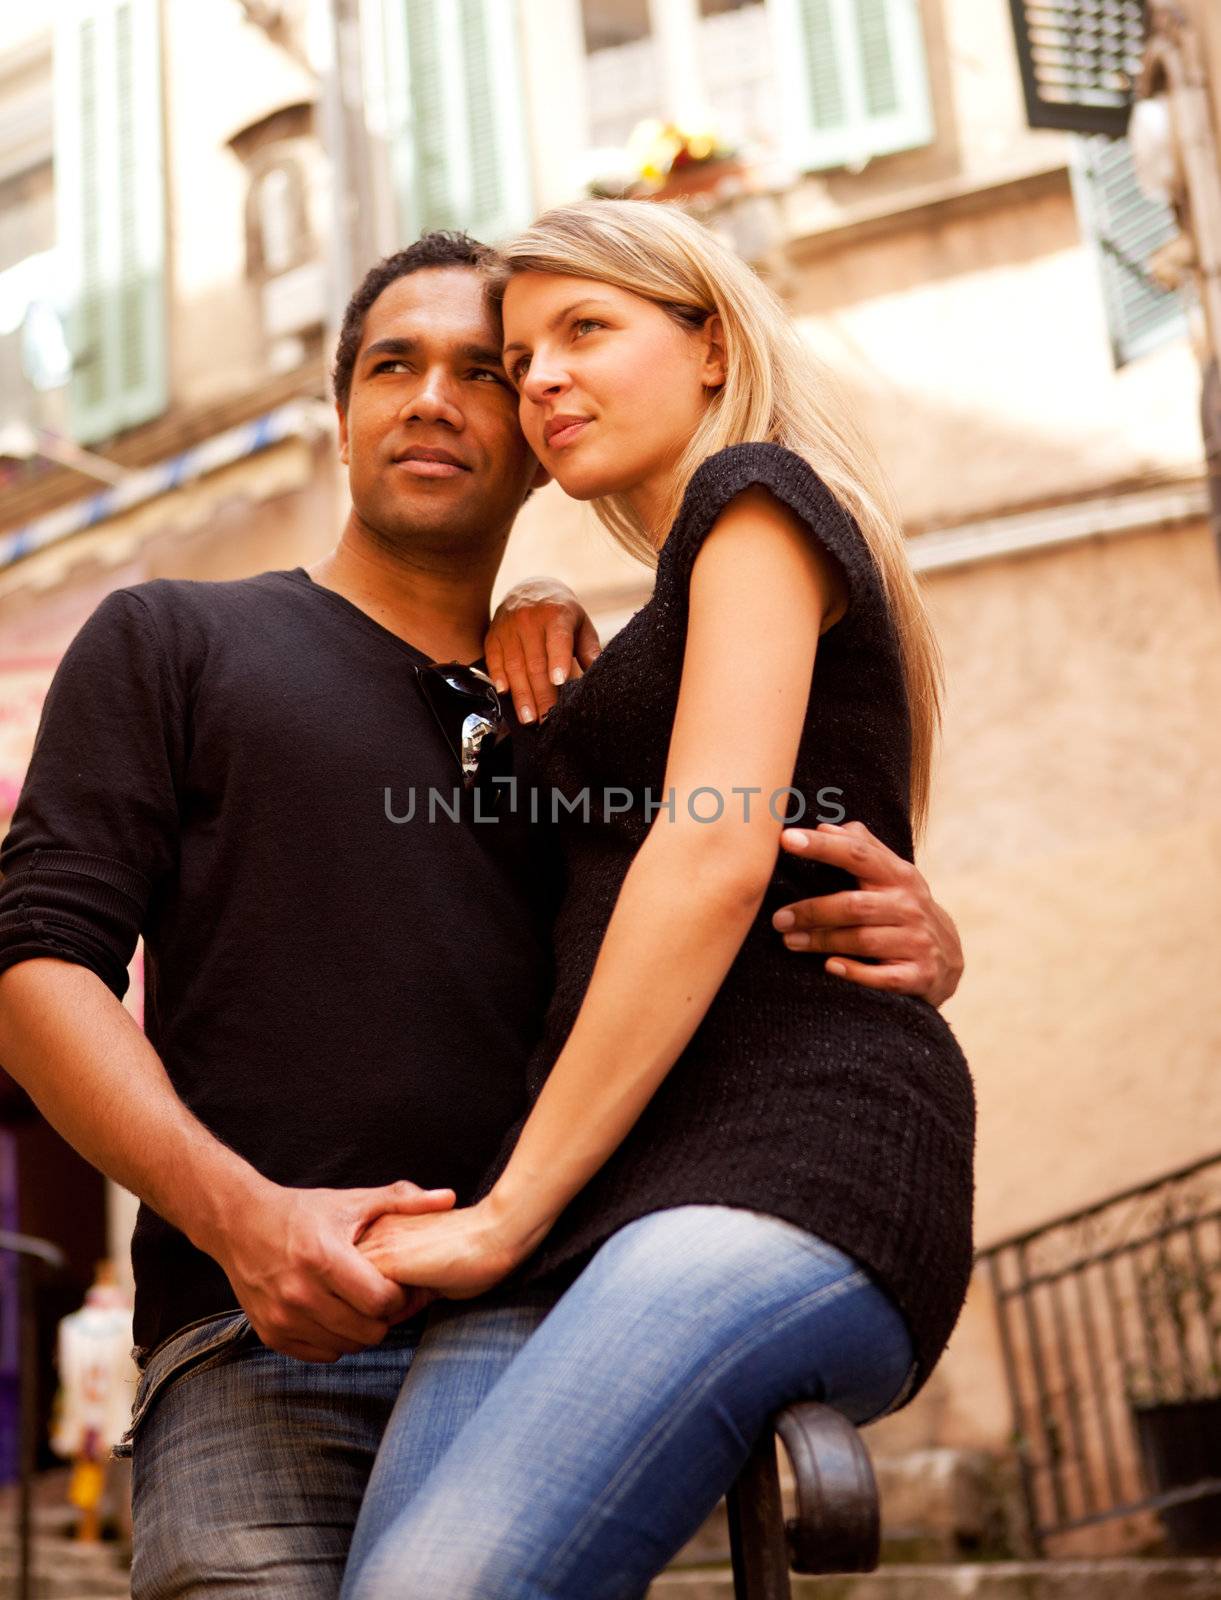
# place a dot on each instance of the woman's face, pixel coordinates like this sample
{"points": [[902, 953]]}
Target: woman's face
{"points": [[611, 386]]}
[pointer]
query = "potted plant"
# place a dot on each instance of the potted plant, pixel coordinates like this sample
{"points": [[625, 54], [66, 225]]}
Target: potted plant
{"points": [[666, 161]]}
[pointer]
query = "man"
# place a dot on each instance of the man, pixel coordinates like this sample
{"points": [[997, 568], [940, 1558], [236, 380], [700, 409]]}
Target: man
{"points": [[338, 1008]]}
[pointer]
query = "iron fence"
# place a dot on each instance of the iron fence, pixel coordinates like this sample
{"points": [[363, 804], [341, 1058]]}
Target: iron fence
{"points": [[1110, 1327], [32, 1256]]}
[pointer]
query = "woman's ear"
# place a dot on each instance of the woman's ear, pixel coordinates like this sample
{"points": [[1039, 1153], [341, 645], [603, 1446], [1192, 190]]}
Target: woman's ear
{"points": [[712, 372]]}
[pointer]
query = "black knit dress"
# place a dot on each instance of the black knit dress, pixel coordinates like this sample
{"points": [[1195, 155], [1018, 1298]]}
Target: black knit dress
{"points": [[845, 1110]]}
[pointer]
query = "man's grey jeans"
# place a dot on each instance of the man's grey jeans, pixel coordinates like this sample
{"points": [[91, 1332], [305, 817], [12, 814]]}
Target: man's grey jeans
{"points": [[248, 1467]]}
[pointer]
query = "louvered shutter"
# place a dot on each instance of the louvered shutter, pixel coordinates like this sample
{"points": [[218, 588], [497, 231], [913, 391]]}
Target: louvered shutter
{"points": [[456, 118], [854, 77], [110, 204], [1125, 227]]}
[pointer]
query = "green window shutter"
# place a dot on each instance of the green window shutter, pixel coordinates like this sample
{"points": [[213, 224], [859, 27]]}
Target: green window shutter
{"points": [[456, 117], [1125, 227], [855, 79], [110, 202]]}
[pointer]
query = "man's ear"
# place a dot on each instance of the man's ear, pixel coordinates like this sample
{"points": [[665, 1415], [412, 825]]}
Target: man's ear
{"points": [[712, 372], [342, 414]]}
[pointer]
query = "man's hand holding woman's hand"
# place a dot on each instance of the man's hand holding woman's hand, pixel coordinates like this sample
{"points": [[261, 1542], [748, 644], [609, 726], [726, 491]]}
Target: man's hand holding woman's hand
{"points": [[295, 1260]]}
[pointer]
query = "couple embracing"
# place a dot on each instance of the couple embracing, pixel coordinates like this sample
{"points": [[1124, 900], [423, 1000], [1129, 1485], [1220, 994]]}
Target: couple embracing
{"points": [[505, 1171]]}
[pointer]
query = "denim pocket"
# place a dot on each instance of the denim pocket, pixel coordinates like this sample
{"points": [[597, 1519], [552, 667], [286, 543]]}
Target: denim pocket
{"points": [[192, 1349]]}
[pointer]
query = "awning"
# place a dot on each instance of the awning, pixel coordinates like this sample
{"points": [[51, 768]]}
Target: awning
{"points": [[300, 419]]}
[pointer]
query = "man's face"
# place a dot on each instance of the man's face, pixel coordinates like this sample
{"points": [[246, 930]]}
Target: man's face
{"points": [[430, 436]]}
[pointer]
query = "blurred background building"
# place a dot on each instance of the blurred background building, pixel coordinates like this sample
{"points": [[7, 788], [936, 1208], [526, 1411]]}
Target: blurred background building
{"points": [[189, 189]]}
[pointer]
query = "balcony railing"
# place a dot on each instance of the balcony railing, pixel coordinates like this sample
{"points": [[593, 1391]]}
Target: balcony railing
{"points": [[1110, 1324]]}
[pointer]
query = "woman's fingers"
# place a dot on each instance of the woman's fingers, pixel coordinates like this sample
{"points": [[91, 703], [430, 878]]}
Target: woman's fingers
{"points": [[589, 646], [520, 680], [539, 631]]}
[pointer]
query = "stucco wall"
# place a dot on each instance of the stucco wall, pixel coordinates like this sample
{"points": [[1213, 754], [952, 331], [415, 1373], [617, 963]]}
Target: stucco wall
{"points": [[1076, 837]]}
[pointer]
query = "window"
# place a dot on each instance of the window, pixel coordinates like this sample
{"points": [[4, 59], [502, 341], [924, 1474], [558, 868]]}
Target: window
{"points": [[855, 79], [1125, 227], [828, 83], [623, 70], [610, 23], [28, 273], [737, 65], [110, 204], [454, 116]]}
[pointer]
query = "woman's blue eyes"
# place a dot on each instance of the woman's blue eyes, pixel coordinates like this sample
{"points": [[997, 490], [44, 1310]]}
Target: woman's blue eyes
{"points": [[578, 328]]}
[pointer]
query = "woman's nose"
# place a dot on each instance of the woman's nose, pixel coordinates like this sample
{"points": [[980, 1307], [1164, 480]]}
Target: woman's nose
{"points": [[544, 382]]}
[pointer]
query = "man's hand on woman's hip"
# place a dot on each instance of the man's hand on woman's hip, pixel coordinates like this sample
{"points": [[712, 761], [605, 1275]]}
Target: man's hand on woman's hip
{"points": [[891, 918]]}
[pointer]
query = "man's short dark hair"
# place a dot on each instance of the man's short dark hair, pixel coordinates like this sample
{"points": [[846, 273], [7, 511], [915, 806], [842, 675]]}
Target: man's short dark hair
{"points": [[439, 249]]}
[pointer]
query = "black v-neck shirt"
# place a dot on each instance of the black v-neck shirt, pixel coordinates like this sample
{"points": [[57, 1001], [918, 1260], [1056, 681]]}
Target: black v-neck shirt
{"points": [[343, 998]]}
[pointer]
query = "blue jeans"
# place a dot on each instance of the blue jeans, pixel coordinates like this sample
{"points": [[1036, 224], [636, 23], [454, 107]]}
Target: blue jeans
{"points": [[248, 1467], [568, 1447]]}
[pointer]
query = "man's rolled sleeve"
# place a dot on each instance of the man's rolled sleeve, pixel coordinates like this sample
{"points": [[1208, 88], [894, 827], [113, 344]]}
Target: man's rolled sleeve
{"points": [[96, 827]]}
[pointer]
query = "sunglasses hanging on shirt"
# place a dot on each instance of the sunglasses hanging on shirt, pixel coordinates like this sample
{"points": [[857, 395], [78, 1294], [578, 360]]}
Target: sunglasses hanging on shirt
{"points": [[468, 712]]}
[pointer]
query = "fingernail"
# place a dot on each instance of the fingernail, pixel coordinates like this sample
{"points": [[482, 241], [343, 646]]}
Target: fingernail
{"points": [[524, 714], [796, 837], [501, 685], [783, 920], [837, 968], [558, 676], [797, 941]]}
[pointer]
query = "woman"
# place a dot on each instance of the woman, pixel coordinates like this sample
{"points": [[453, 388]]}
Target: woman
{"points": [[738, 1184]]}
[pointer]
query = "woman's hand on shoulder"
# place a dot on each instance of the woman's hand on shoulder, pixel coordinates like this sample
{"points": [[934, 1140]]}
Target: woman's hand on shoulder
{"points": [[539, 637]]}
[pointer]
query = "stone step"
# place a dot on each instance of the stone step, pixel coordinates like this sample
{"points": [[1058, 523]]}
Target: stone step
{"points": [[63, 1569], [994, 1580]]}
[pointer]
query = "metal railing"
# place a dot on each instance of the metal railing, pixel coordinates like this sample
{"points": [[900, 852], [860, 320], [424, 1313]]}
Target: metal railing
{"points": [[1110, 1328], [33, 1256]]}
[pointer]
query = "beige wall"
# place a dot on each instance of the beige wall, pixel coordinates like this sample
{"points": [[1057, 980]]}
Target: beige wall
{"points": [[217, 347], [1077, 834], [1077, 838]]}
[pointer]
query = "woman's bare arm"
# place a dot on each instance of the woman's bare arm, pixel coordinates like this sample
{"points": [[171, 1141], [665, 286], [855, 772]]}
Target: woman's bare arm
{"points": [[741, 709]]}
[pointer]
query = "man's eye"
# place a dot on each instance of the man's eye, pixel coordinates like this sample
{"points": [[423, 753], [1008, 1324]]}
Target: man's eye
{"points": [[489, 372], [384, 366]]}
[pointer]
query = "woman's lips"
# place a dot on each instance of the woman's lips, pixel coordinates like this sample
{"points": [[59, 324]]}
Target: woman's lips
{"points": [[563, 437]]}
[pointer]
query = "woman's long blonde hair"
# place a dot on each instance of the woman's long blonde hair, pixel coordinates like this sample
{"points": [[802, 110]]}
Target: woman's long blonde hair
{"points": [[774, 391]]}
